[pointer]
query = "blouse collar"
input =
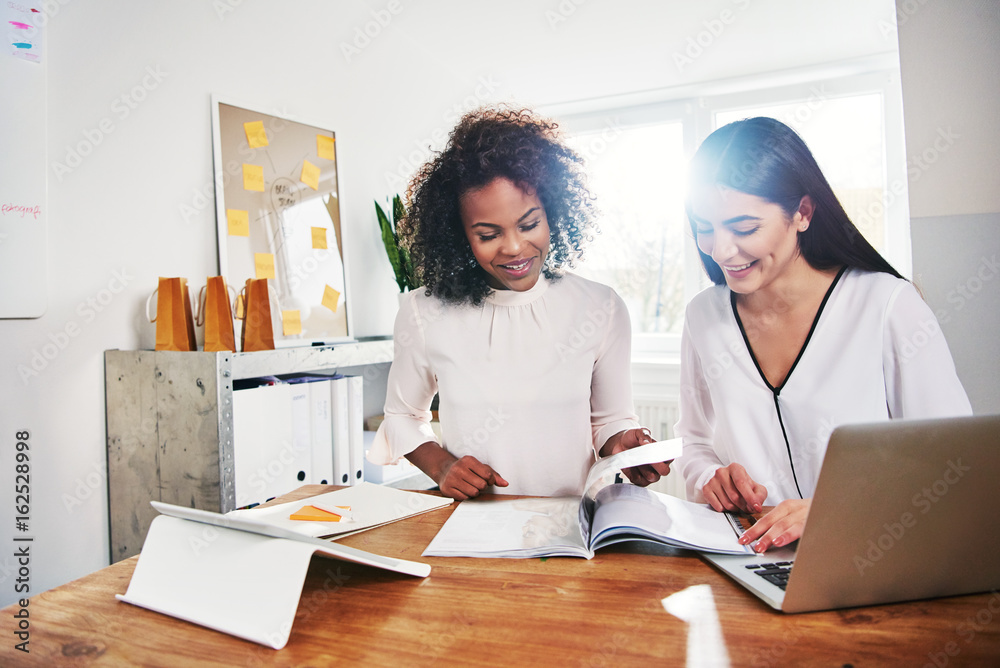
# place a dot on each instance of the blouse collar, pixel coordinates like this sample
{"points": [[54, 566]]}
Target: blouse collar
{"points": [[515, 298]]}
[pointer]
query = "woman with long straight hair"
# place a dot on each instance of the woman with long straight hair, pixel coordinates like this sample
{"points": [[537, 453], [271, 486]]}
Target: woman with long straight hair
{"points": [[807, 327]]}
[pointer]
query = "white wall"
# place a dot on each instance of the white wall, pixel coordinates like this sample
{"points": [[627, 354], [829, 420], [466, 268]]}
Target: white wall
{"points": [[950, 67], [139, 204]]}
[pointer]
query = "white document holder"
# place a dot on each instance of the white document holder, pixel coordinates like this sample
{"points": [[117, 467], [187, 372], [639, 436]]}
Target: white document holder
{"points": [[232, 575]]}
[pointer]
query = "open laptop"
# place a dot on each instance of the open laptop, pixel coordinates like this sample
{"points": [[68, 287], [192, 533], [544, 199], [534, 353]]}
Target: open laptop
{"points": [[903, 510]]}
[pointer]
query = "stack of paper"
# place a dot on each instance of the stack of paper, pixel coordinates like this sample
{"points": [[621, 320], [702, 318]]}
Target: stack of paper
{"points": [[371, 506]]}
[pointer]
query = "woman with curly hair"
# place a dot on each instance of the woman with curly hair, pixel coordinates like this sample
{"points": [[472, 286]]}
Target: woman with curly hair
{"points": [[530, 362]]}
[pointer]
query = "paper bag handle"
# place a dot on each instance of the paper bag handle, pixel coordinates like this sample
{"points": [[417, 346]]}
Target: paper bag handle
{"points": [[148, 300], [275, 302], [199, 307]]}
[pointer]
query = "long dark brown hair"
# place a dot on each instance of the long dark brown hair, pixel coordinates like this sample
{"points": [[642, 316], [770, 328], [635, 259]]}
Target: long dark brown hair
{"points": [[766, 158]]}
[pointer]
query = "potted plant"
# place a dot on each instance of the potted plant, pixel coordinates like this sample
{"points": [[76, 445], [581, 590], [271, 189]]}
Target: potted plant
{"points": [[399, 257]]}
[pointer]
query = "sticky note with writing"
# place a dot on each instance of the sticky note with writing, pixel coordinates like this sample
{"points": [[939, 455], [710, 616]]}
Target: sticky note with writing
{"points": [[319, 237], [253, 177], [291, 322], [239, 222], [310, 175], [325, 147], [256, 135], [264, 265], [330, 298]]}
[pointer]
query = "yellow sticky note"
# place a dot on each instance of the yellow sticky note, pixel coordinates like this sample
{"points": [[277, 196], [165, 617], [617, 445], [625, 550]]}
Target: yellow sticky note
{"points": [[310, 175], [256, 136], [325, 148], [239, 222], [319, 237], [291, 323], [314, 514], [253, 177], [330, 298], [264, 264]]}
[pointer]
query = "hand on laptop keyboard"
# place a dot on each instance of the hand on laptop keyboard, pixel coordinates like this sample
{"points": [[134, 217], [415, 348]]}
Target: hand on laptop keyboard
{"points": [[780, 527]]}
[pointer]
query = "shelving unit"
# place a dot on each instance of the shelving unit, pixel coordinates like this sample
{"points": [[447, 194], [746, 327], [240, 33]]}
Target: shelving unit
{"points": [[170, 423]]}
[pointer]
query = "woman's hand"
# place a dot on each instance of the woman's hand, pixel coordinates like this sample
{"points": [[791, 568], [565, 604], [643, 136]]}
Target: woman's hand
{"points": [[467, 477], [643, 475], [781, 526], [459, 479], [732, 489]]}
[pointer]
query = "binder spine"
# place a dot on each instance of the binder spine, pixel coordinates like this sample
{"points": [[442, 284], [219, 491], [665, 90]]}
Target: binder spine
{"points": [[355, 422]]}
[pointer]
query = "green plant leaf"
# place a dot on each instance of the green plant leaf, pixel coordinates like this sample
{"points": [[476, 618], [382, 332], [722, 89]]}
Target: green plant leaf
{"points": [[391, 244], [398, 211]]}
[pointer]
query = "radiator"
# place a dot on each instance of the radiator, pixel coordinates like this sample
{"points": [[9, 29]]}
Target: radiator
{"points": [[660, 415]]}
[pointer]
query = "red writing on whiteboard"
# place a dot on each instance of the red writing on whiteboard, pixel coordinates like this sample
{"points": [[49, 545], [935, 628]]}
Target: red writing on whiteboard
{"points": [[15, 209]]}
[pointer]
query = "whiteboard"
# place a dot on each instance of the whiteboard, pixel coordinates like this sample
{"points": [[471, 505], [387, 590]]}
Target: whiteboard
{"points": [[22, 161]]}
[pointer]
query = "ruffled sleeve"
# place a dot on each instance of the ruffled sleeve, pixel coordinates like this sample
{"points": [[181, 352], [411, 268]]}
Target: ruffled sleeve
{"points": [[611, 405], [410, 390]]}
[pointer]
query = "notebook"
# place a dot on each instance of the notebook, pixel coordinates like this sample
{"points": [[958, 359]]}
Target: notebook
{"points": [[903, 510]]}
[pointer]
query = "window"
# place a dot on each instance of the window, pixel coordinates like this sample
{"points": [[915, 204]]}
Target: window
{"points": [[637, 157], [640, 248]]}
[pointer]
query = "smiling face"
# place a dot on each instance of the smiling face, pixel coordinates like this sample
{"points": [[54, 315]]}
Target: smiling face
{"points": [[508, 232], [753, 241]]}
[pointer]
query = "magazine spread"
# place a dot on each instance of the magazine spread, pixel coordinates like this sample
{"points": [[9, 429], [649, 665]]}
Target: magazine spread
{"points": [[607, 513]]}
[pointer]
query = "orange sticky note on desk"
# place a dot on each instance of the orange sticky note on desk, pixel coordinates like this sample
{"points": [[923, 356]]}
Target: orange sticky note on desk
{"points": [[253, 177], [239, 222], [314, 514], [325, 147], [319, 237], [256, 135], [310, 175], [291, 322], [264, 265], [330, 298]]}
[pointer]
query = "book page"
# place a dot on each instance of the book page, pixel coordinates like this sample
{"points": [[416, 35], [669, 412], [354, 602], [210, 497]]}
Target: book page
{"points": [[627, 511], [660, 451], [511, 528]]}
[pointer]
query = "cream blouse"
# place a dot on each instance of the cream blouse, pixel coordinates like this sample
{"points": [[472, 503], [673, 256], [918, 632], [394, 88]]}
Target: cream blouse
{"points": [[876, 352], [530, 383]]}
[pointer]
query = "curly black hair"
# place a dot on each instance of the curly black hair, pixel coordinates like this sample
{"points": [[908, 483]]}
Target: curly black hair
{"points": [[491, 143]]}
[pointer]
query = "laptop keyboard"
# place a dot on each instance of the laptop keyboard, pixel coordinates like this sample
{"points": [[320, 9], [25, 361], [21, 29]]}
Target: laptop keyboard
{"points": [[776, 573]]}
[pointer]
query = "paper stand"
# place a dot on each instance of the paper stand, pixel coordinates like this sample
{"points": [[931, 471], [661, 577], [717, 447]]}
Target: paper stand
{"points": [[244, 584]]}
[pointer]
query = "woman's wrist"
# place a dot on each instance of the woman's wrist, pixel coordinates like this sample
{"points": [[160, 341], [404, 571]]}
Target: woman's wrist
{"points": [[611, 444], [432, 459]]}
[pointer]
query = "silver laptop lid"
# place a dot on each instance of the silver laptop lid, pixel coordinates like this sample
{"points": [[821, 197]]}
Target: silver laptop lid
{"points": [[903, 510]]}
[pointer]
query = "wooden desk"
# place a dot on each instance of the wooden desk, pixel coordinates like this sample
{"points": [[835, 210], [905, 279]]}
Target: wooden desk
{"points": [[511, 612]]}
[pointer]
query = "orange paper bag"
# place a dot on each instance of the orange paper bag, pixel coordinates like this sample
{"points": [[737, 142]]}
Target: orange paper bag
{"points": [[215, 312], [174, 324], [258, 332]]}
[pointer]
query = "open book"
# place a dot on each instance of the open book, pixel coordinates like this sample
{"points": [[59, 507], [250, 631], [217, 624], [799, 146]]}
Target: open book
{"points": [[233, 574], [607, 513]]}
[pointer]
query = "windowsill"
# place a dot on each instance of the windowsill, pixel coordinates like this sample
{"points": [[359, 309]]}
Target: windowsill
{"points": [[654, 359]]}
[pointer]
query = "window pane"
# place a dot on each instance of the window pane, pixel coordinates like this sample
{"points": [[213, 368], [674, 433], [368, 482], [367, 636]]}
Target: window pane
{"points": [[637, 174], [845, 136]]}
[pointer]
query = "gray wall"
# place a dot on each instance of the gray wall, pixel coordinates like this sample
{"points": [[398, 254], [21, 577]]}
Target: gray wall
{"points": [[949, 56]]}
